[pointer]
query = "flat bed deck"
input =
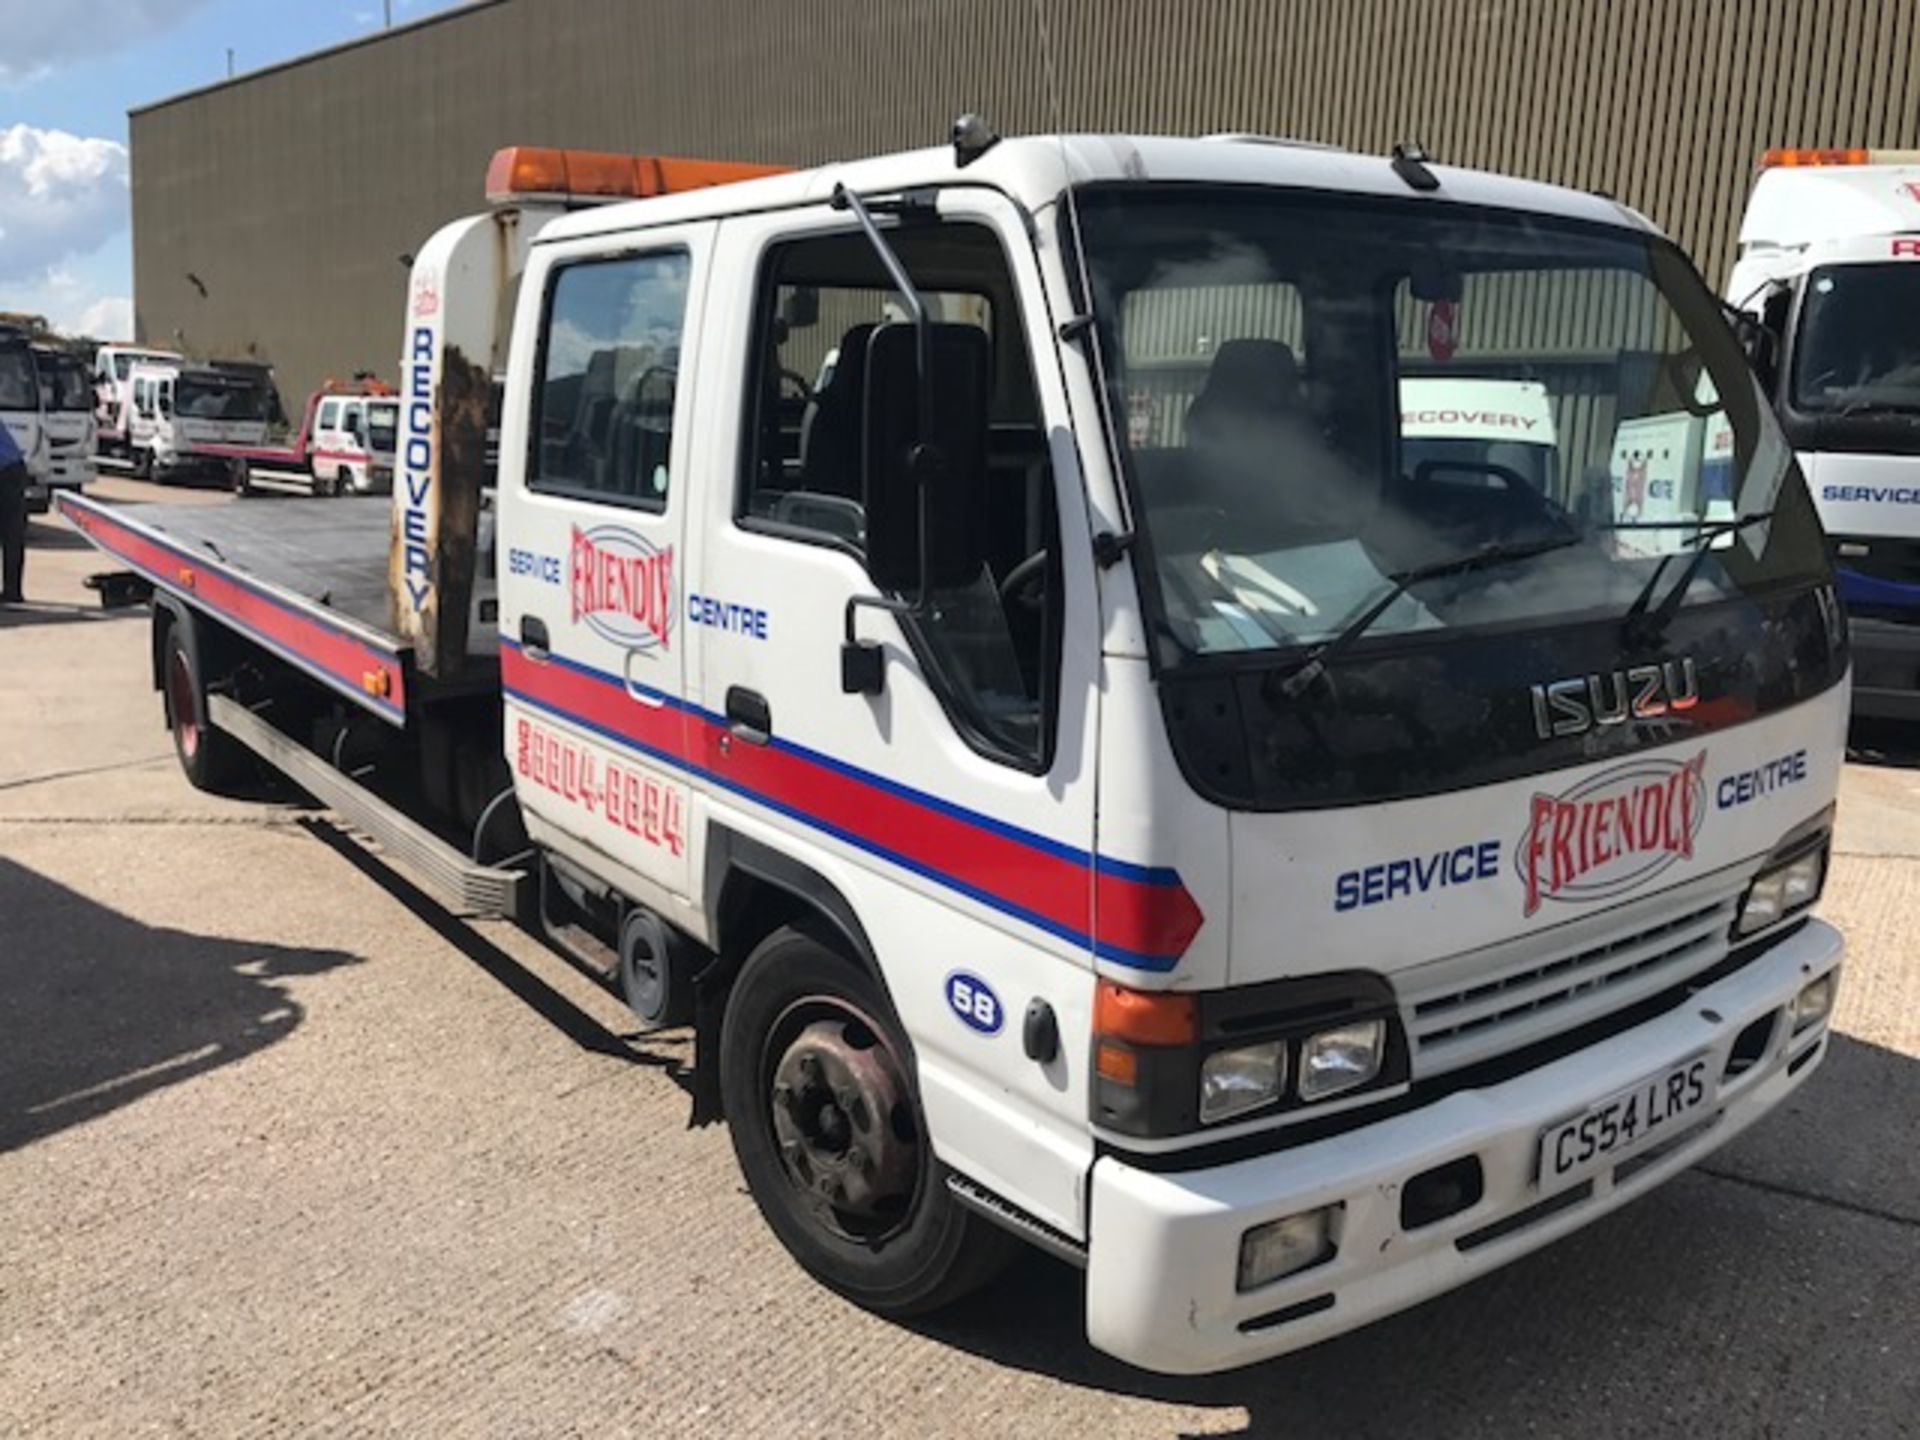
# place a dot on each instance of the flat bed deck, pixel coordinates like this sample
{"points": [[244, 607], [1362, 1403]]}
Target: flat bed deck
{"points": [[305, 578]]}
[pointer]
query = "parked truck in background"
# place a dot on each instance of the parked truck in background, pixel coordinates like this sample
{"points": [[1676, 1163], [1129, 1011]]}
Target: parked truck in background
{"points": [[67, 409], [20, 410], [113, 387], [344, 446], [1093, 764], [187, 420], [1829, 272]]}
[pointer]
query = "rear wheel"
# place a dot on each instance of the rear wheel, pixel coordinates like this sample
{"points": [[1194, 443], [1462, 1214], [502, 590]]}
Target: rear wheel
{"points": [[818, 1086], [213, 760]]}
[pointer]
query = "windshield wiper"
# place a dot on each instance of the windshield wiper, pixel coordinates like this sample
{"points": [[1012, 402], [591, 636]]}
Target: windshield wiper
{"points": [[1642, 628], [1314, 665]]}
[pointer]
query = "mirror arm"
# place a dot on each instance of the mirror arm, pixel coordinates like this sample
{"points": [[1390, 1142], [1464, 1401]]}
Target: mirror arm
{"points": [[845, 199], [861, 663]]}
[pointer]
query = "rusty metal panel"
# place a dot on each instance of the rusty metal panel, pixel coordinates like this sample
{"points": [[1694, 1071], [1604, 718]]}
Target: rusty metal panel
{"points": [[291, 196]]}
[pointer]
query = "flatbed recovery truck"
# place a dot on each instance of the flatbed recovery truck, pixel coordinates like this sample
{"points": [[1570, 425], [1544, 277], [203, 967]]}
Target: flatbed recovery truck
{"points": [[960, 628]]}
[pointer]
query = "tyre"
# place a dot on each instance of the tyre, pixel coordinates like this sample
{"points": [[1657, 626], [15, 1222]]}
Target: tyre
{"points": [[240, 478], [143, 464], [343, 482], [213, 761], [817, 1082]]}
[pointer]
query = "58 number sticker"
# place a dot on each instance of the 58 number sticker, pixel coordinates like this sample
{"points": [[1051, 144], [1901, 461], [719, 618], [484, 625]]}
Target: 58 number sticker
{"points": [[973, 1000]]}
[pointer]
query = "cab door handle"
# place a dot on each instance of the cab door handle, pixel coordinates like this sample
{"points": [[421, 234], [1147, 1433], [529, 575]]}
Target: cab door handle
{"points": [[533, 637], [748, 715]]}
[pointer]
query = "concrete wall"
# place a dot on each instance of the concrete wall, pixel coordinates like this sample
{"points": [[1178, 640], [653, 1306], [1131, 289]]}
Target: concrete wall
{"points": [[292, 194]]}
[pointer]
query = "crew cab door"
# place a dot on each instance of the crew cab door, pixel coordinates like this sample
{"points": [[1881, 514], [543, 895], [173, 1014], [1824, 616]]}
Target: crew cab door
{"points": [[596, 475], [954, 818]]}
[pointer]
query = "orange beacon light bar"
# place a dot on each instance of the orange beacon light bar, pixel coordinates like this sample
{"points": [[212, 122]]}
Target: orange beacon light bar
{"points": [[521, 172], [1784, 158]]}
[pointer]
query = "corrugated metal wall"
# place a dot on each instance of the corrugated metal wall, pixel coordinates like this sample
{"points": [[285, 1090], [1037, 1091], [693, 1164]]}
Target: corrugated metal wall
{"points": [[290, 196]]}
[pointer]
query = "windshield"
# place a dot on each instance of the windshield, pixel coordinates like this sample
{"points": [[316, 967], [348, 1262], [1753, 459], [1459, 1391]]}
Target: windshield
{"points": [[383, 425], [17, 386], [207, 397], [64, 383], [1320, 395], [1858, 349]]}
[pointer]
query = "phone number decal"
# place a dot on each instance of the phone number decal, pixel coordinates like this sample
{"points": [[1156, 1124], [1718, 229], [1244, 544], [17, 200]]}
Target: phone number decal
{"points": [[625, 798]]}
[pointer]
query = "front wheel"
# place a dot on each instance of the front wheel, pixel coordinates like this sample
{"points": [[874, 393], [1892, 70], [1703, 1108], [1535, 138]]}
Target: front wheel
{"points": [[240, 478], [826, 1122]]}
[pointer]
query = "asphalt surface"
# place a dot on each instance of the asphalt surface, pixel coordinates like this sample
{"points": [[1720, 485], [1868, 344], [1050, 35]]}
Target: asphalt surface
{"points": [[283, 1151]]}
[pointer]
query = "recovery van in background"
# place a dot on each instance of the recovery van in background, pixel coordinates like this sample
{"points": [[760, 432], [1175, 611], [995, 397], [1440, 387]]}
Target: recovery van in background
{"points": [[1130, 757], [344, 446], [66, 418], [1829, 269], [113, 387]]}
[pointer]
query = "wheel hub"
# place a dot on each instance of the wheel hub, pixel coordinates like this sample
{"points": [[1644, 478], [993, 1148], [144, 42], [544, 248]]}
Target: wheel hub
{"points": [[843, 1117], [180, 696]]}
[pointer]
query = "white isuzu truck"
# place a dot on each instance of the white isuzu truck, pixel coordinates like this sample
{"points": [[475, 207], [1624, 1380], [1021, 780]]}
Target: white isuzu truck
{"points": [[1829, 271], [1089, 765]]}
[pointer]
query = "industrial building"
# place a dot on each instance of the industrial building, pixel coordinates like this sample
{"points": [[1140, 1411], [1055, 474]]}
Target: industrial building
{"points": [[275, 214]]}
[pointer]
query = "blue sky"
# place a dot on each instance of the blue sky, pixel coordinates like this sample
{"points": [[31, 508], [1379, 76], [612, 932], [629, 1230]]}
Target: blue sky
{"points": [[68, 75]]}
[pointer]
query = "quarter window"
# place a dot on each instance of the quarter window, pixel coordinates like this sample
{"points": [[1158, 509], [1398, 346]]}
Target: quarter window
{"points": [[609, 368]]}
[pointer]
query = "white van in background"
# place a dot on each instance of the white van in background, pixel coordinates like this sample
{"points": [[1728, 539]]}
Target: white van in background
{"points": [[1829, 268], [67, 418], [113, 392]]}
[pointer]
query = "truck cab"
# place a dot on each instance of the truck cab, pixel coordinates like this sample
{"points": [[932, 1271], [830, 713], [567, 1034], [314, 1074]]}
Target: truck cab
{"points": [[351, 451], [1358, 813], [178, 409], [67, 404], [113, 389], [1829, 274], [21, 412]]}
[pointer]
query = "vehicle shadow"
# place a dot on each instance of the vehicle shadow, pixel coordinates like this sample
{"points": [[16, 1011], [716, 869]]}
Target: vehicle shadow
{"points": [[1890, 743], [98, 1009], [54, 612], [49, 532], [1725, 1303], [667, 1051]]}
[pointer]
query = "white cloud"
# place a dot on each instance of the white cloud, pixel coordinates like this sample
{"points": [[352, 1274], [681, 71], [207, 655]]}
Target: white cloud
{"points": [[41, 35], [61, 196], [108, 318]]}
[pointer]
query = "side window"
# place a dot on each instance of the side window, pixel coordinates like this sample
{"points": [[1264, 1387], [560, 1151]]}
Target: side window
{"points": [[329, 415], [990, 647], [609, 366]]}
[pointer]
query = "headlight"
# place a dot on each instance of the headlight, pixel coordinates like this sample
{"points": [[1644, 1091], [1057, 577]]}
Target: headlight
{"points": [[1233, 1082], [1336, 1060], [1780, 891]]}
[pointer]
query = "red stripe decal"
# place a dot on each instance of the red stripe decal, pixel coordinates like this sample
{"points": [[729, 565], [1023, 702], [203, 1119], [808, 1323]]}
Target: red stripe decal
{"points": [[1144, 922], [376, 677]]}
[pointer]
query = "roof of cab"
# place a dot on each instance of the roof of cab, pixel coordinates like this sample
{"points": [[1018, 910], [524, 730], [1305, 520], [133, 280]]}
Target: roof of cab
{"points": [[1034, 170]]}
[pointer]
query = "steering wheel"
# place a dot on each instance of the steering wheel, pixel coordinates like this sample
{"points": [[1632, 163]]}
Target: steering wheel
{"points": [[1024, 584], [799, 382]]}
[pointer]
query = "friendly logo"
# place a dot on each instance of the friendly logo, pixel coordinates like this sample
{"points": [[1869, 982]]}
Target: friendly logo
{"points": [[1612, 832], [621, 585]]}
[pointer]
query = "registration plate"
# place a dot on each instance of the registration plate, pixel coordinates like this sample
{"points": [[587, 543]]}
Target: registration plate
{"points": [[1605, 1133]]}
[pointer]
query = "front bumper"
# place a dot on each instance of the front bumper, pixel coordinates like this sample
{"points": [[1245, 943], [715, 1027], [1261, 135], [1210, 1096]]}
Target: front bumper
{"points": [[1163, 1248], [1886, 668]]}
